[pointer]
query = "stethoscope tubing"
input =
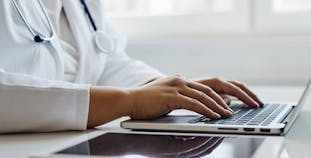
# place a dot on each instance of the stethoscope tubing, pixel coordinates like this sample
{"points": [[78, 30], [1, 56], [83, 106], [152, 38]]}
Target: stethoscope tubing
{"points": [[104, 43], [88, 13], [37, 36]]}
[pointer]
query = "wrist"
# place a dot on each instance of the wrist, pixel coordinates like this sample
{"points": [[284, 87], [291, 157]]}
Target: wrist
{"points": [[126, 101], [107, 104], [131, 100]]}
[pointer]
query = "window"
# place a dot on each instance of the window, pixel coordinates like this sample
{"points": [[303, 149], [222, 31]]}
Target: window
{"points": [[168, 17], [283, 15], [128, 8], [141, 17], [291, 6]]}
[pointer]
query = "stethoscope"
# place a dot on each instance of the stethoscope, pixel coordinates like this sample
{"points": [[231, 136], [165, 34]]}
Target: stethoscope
{"points": [[102, 40]]}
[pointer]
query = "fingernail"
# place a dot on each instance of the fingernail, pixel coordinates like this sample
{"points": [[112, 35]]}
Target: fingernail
{"points": [[227, 112], [230, 109], [217, 115], [227, 101]]}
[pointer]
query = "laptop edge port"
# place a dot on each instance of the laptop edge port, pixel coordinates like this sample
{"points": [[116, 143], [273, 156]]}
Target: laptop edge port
{"points": [[232, 129], [265, 130], [249, 129]]}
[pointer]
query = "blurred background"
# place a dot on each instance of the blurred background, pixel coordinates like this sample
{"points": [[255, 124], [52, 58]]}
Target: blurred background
{"points": [[255, 41]]}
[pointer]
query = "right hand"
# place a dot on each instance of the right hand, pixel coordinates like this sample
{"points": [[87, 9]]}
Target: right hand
{"points": [[166, 94], [159, 97]]}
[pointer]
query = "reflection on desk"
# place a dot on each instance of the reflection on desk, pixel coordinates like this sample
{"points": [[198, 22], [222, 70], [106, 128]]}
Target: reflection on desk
{"points": [[142, 145]]}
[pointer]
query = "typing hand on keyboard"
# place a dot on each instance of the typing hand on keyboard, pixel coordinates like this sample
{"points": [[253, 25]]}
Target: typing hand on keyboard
{"points": [[203, 96]]}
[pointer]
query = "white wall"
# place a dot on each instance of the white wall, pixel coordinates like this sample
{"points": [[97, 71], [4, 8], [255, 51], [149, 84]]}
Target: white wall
{"points": [[254, 59], [256, 41]]}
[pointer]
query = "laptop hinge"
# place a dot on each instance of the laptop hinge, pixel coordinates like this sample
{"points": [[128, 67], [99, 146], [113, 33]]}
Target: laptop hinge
{"points": [[287, 115]]}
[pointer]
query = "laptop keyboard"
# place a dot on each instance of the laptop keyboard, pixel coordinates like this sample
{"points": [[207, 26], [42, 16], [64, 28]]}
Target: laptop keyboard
{"points": [[247, 116]]}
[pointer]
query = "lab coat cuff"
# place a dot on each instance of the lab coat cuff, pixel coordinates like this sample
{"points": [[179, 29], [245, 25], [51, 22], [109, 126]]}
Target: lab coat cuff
{"points": [[83, 101]]}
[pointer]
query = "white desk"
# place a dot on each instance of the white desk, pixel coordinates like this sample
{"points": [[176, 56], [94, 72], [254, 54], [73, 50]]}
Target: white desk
{"points": [[297, 143]]}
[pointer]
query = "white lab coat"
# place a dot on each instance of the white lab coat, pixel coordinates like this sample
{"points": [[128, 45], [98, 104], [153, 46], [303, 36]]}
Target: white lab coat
{"points": [[33, 93]]}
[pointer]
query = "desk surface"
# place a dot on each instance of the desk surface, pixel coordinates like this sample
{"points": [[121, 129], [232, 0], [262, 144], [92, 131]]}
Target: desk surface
{"points": [[296, 143]]}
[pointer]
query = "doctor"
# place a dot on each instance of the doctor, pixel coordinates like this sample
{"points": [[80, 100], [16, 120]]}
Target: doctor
{"points": [[64, 67]]}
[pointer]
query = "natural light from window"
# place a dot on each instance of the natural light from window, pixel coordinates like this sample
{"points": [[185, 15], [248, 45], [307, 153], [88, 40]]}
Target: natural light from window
{"points": [[136, 8], [291, 6], [151, 17]]}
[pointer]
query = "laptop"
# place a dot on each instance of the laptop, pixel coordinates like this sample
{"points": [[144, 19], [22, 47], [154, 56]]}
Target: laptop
{"points": [[272, 119]]}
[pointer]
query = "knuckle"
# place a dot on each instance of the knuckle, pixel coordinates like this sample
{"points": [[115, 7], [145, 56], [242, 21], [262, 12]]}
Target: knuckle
{"points": [[203, 95], [239, 83], [217, 79], [208, 90], [177, 75], [174, 91], [194, 101], [177, 80], [242, 85]]}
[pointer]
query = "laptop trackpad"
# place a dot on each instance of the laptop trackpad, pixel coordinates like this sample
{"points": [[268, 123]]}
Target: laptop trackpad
{"points": [[175, 119]]}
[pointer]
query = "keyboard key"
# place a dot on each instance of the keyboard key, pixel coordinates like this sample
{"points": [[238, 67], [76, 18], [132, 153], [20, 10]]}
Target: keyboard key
{"points": [[238, 123], [246, 115], [254, 123]]}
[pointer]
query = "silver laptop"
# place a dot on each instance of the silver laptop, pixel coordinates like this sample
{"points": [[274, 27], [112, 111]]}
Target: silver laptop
{"points": [[272, 119]]}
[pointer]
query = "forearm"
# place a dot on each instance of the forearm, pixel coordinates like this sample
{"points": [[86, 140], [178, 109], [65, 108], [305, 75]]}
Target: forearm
{"points": [[107, 104]]}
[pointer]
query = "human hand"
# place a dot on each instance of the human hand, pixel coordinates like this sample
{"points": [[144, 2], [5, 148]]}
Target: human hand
{"points": [[208, 97], [202, 96], [233, 88], [165, 94]]}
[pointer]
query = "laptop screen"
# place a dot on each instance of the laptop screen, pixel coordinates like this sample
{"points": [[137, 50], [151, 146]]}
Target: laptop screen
{"points": [[142, 145], [305, 100]]}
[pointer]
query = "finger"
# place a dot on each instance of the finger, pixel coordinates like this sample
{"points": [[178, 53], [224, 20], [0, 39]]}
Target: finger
{"points": [[210, 92], [206, 100], [233, 90], [184, 102], [248, 91], [226, 98]]}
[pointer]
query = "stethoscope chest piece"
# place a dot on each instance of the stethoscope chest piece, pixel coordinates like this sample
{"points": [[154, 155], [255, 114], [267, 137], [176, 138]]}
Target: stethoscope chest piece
{"points": [[104, 42]]}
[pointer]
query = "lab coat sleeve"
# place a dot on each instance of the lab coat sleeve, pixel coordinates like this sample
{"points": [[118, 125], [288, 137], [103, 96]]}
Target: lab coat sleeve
{"points": [[123, 71], [32, 104]]}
